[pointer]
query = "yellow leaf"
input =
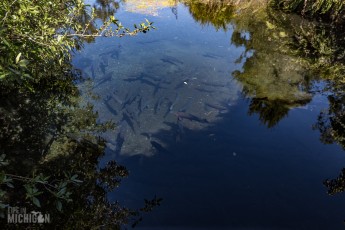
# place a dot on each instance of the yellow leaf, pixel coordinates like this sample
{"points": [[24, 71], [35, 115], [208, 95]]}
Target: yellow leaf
{"points": [[282, 34], [18, 57], [270, 25]]}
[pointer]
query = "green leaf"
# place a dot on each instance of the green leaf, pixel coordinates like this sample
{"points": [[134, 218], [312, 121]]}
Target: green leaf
{"points": [[77, 181], [18, 57], [23, 63], [74, 179], [282, 34], [270, 25], [59, 206], [6, 43], [10, 185], [36, 202]]}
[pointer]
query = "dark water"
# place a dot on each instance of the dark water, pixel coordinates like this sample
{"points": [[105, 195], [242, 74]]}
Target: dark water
{"points": [[192, 134]]}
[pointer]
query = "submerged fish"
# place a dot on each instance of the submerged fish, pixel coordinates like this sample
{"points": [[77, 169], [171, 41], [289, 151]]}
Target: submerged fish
{"points": [[176, 129], [211, 55], [149, 42], [171, 60], [117, 99], [169, 104], [220, 108], [185, 106], [159, 147], [204, 90], [106, 78], [147, 82], [157, 105], [147, 135], [213, 84], [120, 138], [126, 117], [102, 65], [106, 102], [83, 62], [191, 117], [175, 101], [180, 130], [157, 87], [154, 78], [132, 79], [139, 106], [114, 53], [129, 100], [137, 78], [145, 105], [93, 72]]}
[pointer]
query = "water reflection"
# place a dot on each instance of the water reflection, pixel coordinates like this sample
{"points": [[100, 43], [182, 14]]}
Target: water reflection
{"points": [[51, 132], [51, 147], [106, 8], [150, 7], [175, 95], [216, 13], [143, 92]]}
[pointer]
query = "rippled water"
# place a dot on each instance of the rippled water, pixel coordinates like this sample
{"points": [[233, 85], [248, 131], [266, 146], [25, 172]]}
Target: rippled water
{"points": [[185, 133]]}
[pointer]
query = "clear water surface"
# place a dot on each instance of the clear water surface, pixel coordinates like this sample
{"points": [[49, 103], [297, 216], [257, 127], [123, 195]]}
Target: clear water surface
{"points": [[188, 133]]}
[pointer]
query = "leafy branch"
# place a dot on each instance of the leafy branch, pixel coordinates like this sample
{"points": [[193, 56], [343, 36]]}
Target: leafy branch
{"points": [[58, 188]]}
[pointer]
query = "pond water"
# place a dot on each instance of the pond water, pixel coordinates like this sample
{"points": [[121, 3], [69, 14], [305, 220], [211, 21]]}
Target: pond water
{"points": [[202, 124]]}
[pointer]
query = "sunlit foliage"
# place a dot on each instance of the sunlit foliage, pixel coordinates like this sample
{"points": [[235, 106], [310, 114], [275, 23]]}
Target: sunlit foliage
{"points": [[333, 10]]}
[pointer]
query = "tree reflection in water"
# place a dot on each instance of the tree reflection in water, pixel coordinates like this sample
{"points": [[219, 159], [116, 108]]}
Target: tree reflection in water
{"points": [[284, 56], [52, 132], [50, 153], [216, 13]]}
